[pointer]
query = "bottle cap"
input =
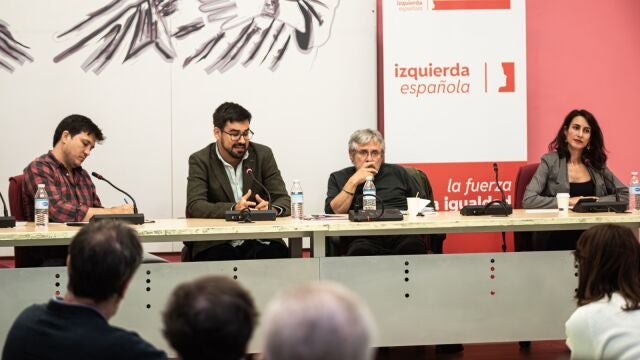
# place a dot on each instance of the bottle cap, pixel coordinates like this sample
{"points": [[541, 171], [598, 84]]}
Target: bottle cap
{"points": [[634, 173], [40, 185], [369, 178], [296, 180]]}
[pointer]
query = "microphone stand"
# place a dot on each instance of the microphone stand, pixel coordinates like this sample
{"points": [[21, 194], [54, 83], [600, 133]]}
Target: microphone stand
{"points": [[361, 215], [503, 207], [247, 215], [135, 218], [508, 209]]}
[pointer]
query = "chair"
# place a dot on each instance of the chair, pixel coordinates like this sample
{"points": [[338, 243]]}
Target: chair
{"points": [[15, 197], [522, 240], [336, 247], [22, 254], [434, 241]]}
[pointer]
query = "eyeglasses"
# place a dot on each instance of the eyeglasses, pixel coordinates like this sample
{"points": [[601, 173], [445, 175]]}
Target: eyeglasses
{"points": [[235, 135], [365, 153]]}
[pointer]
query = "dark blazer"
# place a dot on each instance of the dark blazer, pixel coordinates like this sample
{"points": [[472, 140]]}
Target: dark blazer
{"points": [[551, 178], [209, 192]]}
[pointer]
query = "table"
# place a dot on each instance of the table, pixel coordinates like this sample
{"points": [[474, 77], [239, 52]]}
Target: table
{"points": [[171, 230], [415, 299]]}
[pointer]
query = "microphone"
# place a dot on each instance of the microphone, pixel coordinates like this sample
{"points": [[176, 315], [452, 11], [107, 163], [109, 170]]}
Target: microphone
{"points": [[246, 215], [249, 171], [6, 221], [134, 218], [495, 207], [495, 169]]}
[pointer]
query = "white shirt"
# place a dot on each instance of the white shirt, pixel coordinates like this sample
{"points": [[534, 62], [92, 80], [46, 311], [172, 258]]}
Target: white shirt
{"points": [[602, 330], [235, 176]]}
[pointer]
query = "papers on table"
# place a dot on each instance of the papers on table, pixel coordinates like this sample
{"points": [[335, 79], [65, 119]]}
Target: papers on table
{"points": [[327, 217], [541, 211], [424, 212]]}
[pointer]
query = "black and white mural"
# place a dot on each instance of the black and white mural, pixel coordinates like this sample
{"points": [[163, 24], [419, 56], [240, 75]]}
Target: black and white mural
{"points": [[217, 34], [12, 52]]}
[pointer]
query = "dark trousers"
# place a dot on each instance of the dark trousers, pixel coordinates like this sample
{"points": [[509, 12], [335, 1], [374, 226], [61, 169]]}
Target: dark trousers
{"points": [[249, 249], [38, 256], [555, 240], [386, 245]]}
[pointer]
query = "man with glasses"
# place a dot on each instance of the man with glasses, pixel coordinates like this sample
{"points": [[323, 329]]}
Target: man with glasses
{"points": [[218, 181], [393, 186]]}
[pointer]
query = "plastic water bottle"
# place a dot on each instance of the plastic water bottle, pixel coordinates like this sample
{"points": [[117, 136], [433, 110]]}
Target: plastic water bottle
{"points": [[297, 201], [41, 208], [369, 194], [634, 192]]}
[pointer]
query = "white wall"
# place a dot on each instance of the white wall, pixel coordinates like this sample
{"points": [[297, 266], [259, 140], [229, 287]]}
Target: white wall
{"points": [[155, 114]]}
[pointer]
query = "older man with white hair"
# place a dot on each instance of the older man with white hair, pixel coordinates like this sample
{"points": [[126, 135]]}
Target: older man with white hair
{"points": [[393, 186], [318, 321]]}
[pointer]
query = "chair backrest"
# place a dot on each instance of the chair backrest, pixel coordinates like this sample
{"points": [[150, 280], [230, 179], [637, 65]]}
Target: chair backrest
{"points": [[422, 180], [523, 241], [22, 254], [525, 173], [434, 242], [15, 197]]}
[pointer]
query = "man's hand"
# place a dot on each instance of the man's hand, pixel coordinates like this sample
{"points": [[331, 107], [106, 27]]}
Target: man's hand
{"points": [[122, 209], [243, 203], [262, 204], [367, 169]]}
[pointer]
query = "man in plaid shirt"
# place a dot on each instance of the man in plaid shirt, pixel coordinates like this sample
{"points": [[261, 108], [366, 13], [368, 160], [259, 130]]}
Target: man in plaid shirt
{"points": [[72, 195]]}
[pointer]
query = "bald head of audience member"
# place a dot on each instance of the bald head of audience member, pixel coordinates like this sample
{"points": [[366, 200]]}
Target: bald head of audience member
{"points": [[212, 317], [103, 257], [318, 321]]}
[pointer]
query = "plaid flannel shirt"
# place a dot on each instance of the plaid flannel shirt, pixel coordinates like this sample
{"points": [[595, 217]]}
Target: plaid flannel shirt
{"points": [[70, 194]]}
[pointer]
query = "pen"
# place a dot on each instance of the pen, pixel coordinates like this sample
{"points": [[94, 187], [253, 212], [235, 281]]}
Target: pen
{"points": [[125, 201]]}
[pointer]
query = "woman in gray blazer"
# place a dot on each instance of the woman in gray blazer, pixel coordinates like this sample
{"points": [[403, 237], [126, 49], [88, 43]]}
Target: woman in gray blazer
{"points": [[576, 164]]}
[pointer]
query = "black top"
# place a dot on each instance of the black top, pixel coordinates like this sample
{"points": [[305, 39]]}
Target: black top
{"points": [[582, 189], [63, 331], [393, 186]]}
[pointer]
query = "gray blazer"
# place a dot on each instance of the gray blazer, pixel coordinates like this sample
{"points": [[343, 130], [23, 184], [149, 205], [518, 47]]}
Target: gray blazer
{"points": [[551, 178]]}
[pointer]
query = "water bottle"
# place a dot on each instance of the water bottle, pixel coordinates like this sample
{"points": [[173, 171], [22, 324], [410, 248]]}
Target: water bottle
{"points": [[41, 208], [297, 201], [369, 195], [634, 192]]}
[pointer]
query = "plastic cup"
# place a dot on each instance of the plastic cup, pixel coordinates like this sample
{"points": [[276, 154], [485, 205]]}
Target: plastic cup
{"points": [[415, 205], [563, 202]]}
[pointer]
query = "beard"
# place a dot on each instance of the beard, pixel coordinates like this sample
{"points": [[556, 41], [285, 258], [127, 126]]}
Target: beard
{"points": [[236, 151]]}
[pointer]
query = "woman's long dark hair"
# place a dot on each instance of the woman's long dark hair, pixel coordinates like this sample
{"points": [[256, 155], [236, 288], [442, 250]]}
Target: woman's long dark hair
{"points": [[595, 154], [608, 258]]}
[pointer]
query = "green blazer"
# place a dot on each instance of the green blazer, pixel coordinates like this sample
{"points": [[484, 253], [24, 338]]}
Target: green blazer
{"points": [[209, 192]]}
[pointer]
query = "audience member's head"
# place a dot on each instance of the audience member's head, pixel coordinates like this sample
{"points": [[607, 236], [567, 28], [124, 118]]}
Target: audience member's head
{"points": [[212, 317], [318, 321], [103, 256], [608, 258]]}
